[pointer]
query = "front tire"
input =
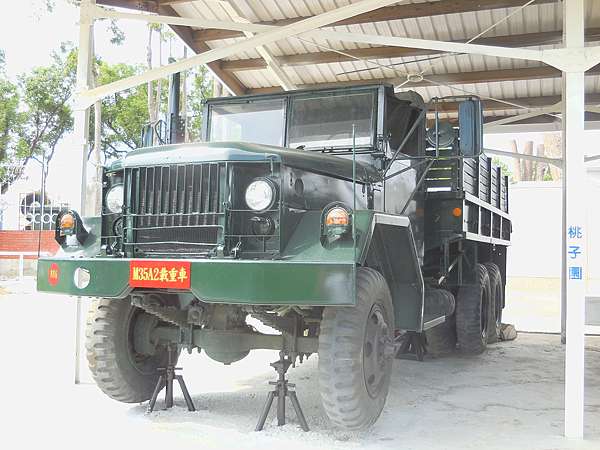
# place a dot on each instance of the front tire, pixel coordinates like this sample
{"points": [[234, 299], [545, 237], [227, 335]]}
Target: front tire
{"points": [[354, 364], [119, 370]]}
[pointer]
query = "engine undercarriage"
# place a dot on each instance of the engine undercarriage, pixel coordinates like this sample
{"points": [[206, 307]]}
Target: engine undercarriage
{"points": [[226, 333]]}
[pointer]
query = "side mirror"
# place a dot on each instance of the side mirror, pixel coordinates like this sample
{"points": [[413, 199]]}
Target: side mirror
{"points": [[470, 121]]}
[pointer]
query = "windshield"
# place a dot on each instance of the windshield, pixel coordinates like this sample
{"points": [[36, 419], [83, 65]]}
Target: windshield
{"points": [[260, 122], [326, 121]]}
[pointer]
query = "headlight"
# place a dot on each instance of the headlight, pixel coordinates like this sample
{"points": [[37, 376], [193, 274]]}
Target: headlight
{"points": [[114, 199], [260, 194]]}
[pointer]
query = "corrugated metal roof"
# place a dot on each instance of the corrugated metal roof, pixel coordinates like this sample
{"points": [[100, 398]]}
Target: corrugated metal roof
{"points": [[458, 26]]}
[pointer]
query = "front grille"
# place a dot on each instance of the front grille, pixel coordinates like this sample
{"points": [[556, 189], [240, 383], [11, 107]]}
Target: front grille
{"points": [[174, 210]]}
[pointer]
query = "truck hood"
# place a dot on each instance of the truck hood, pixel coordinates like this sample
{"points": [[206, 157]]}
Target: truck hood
{"points": [[241, 151]]}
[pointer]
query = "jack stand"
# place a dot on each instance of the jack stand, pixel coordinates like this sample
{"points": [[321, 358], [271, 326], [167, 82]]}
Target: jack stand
{"points": [[165, 380], [281, 391], [412, 346]]}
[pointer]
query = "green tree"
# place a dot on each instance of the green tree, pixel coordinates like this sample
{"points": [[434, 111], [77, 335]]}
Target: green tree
{"points": [[505, 169], [36, 115], [201, 89], [10, 124], [124, 114]]}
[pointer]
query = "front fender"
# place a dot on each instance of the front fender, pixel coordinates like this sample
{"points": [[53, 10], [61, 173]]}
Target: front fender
{"points": [[384, 242]]}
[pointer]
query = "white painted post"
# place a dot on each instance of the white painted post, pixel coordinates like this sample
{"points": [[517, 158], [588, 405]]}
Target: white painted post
{"points": [[81, 135], [21, 267], [576, 235]]}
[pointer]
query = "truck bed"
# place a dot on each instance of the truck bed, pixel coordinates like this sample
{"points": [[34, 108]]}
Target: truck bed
{"points": [[475, 185]]}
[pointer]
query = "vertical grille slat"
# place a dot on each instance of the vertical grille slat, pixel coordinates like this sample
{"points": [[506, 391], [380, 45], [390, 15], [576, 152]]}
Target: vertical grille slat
{"points": [[174, 208], [204, 193]]}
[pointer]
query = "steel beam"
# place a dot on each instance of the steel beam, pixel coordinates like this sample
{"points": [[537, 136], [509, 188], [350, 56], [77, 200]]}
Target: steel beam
{"points": [[554, 161], [272, 64], [574, 265], [490, 127], [185, 33], [383, 52], [428, 44], [396, 12], [85, 99]]}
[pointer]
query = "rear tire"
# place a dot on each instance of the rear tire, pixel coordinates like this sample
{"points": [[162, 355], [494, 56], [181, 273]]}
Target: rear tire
{"points": [[354, 367], [473, 312], [497, 300], [119, 371], [441, 339]]}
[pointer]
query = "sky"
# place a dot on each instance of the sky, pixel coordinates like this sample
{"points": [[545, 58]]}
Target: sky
{"points": [[29, 34]]}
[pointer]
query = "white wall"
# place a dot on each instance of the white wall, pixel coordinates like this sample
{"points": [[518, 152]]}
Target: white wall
{"points": [[535, 209]]}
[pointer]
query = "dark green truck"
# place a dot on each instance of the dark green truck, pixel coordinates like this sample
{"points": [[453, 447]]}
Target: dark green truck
{"points": [[336, 217]]}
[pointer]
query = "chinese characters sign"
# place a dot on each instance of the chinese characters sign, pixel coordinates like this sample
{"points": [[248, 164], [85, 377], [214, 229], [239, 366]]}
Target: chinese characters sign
{"points": [[575, 252], [160, 274]]}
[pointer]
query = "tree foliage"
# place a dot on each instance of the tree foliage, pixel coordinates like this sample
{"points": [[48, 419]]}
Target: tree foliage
{"points": [[35, 111], [35, 115], [201, 89], [124, 114]]}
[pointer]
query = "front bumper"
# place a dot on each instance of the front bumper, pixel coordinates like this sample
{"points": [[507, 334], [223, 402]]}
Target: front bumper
{"points": [[215, 281]]}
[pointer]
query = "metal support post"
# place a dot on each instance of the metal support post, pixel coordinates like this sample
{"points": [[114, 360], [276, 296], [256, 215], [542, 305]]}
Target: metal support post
{"points": [[575, 233], [81, 138]]}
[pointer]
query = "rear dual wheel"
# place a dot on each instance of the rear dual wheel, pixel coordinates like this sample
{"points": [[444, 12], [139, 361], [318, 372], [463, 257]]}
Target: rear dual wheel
{"points": [[496, 303], [473, 305]]}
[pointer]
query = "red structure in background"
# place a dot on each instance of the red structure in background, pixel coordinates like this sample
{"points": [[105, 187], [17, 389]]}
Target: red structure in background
{"points": [[27, 241]]}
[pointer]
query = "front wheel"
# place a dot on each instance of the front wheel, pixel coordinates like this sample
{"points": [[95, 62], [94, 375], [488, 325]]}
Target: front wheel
{"points": [[355, 355], [121, 370]]}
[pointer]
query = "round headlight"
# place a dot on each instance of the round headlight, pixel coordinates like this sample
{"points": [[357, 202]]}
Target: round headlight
{"points": [[114, 199], [260, 195]]}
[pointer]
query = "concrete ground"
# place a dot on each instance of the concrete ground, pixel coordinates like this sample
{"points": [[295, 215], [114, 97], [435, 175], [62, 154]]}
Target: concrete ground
{"points": [[511, 397]]}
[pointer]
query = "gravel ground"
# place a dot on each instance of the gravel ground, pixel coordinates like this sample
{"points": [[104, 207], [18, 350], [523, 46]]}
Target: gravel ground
{"points": [[511, 397]]}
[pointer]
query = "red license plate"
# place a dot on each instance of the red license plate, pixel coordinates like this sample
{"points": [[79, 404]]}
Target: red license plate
{"points": [[160, 274]]}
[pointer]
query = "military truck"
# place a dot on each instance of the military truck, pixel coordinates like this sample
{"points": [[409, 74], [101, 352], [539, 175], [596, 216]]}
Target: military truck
{"points": [[353, 221]]}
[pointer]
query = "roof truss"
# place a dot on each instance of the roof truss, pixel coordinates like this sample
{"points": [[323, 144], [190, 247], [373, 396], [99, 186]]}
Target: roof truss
{"points": [[396, 12]]}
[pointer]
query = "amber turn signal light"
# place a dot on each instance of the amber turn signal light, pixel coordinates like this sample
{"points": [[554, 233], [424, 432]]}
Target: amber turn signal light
{"points": [[67, 224], [337, 217], [457, 212]]}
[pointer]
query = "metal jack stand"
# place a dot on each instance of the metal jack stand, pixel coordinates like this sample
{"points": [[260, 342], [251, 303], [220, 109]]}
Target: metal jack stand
{"points": [[282, 391], [165, 380], [412, 346]]}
